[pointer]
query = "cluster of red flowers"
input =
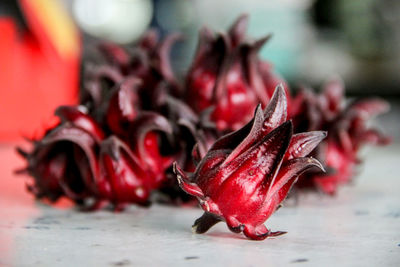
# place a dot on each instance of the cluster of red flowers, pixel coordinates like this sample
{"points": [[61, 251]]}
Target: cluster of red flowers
{"points": [[230, 134]]}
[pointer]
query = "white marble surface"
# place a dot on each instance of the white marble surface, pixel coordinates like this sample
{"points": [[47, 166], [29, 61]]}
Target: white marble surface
{"points": [[358, 227]]}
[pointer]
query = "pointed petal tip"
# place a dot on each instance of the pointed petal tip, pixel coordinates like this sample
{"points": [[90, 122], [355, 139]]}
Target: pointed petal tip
{"points": [[185, 184], [110, 146], [174, 166], [279, 94], [258, 44], [238, 29], [241, 22], [276, 111], [318, 135], [22, 152], [269, 36], [180, 174], [316, 163], [21, 171], [266, 38], [281, 88], [277, 233], [258, 111]]}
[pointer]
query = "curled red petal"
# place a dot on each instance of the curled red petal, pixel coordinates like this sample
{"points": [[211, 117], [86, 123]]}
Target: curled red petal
{"points": [[162, 57], [85, 141], [185, 184], [148, 122], [290, 170], [78, 117], [303, 143], [115, 54], [129, 182]]}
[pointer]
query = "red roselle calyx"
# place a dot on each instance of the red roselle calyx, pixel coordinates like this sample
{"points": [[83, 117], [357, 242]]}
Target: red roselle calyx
{"points": [[148, 61], [64, 162], [347, 131], [129, 181], [228, 75], [246, 174], [133, 173], [74, 160]]}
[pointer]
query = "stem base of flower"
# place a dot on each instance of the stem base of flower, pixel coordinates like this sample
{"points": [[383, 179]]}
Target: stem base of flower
{"points": [[205, 222]]}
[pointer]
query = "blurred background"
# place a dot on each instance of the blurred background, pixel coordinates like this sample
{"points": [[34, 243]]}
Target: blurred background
{"points": [[44, 43]]}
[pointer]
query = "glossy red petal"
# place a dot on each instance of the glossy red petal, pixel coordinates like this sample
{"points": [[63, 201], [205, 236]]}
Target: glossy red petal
{"points": [[185, 184], [129, 182], [79, 118], [303, 143], [85, 141], [276, 111]]}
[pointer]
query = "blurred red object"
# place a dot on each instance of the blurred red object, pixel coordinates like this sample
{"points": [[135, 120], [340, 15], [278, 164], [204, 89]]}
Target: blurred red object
{"points": [[39, 68]]}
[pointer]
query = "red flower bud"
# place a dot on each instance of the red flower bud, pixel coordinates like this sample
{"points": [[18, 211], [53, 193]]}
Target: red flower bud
{"points": [[246, 174], [146, 135], [64, 162], [133, 174], [148, 61], [72, 160], [128, 181], [227, 74], [347, 131]]}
